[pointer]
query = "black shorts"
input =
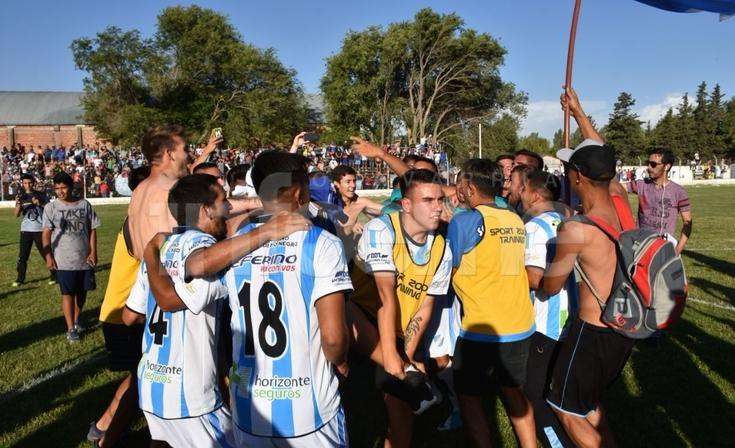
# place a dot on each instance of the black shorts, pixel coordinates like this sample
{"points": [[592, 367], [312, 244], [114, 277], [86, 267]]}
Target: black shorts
{"points": [[541, 357], [74, 282], [590, 359], [475, 362], [124, 346]]}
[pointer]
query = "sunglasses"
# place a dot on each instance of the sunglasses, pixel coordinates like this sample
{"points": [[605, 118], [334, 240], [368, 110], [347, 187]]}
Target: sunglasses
{"points": [[653, 164]]}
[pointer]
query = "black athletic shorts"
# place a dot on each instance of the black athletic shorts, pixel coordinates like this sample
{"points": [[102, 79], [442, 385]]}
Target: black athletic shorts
{"points": [[590, 359], [541, 357], [124, 346], [474, 362], [74, 282]]}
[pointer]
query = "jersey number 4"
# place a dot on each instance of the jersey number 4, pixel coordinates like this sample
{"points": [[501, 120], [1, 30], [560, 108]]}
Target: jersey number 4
{"points": [[271, 319], [159, 328]]}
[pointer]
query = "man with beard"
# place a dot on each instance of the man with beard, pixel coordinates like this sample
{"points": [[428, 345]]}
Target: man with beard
{"points": [[177, 377]]}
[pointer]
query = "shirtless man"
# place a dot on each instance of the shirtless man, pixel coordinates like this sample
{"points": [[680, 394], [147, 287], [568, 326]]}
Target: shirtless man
{"points": [[570, 100], [592, 355]]}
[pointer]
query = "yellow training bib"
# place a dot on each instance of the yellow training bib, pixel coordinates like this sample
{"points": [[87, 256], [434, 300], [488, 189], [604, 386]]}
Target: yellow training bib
{"points": [[412, 279], [491, 280]]}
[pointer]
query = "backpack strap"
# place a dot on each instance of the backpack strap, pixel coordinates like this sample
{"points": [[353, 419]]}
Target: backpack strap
{"points": [[577, 266], [625, 216], [586, 280]]}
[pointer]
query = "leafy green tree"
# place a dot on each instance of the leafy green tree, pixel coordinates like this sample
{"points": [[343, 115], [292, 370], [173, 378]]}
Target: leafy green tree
{"points": [[362, 87], [499, 135], [717, 113], [575, 139], [664, 135], [117, 62], [685, 132], [702, 125], [729, 127], [196, 71], [534, 142], [429, 76], [623, 131]]}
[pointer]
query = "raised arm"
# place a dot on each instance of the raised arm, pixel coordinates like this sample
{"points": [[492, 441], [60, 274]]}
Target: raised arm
{"points": [[367, 149], [209, 149], [244, 205], [224, 254], [298, 140], [569, 100]]}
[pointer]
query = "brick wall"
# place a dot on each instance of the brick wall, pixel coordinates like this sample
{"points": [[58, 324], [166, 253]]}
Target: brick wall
{"points": [[65, 135]]}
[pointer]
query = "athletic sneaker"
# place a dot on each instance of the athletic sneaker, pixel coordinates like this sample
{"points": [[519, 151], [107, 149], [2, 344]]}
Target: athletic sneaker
{"points": [[16, 284], [454, 421], [52, 282], [73, 335], [427, 391], [94, 432], [80, 329]]}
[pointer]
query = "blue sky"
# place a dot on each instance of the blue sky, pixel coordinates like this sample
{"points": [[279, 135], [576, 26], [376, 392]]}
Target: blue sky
{"points": [[621, 45]]}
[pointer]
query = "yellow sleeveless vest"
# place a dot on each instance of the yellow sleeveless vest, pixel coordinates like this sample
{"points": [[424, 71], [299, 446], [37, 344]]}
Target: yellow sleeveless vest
{"points": [[412, 279], [491, 281]]}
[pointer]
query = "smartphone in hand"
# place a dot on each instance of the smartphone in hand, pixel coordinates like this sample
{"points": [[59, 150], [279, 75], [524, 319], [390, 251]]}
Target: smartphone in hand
{"points": [[311, 137]]}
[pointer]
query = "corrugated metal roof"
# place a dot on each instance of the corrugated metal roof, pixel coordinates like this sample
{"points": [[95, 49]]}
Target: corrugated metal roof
{"points": [[40, 108]]}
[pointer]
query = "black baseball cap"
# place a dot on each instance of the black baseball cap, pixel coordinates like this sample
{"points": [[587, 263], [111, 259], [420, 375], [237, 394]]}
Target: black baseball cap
{"points": [[591, 158]]}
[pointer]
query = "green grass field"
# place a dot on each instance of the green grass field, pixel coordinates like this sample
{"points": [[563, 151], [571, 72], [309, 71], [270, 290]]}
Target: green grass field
{"points": [[679, 394]]}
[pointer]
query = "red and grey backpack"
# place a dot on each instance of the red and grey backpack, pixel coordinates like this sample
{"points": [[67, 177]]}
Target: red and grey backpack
{"points": [[650, 287]]}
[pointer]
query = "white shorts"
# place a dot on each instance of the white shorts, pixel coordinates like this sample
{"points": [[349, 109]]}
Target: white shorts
{"points": [[443, 330], [332, 434], [208, 430]]}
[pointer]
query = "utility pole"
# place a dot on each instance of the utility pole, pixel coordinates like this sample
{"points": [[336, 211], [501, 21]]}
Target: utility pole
{"points": [[479, 127]]}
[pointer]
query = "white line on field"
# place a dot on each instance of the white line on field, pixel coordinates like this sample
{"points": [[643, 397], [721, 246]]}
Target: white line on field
{"points": [[715, 249], [51, 374], [716, 305]]}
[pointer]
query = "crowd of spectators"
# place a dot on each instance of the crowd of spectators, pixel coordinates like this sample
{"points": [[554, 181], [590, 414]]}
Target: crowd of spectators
{"points": [[102, 171]]}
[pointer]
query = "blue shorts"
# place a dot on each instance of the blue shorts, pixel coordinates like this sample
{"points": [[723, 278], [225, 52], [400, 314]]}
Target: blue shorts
{"points": [[74, 282]]}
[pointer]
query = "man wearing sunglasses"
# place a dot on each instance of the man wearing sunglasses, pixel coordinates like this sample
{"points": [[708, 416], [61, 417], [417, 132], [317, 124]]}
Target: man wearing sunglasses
{"points": [[661, 201]]}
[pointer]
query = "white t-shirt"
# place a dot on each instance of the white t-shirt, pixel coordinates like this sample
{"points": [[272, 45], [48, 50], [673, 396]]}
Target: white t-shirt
{"points": [[551, 312], [375, 248], [177, 375], [281, 383]]}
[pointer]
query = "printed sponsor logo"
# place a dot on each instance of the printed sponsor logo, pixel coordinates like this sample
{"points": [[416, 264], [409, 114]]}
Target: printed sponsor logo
{"points": [[413, 289], [271, 263], [341, 277], [161, 373], [279, 388], [271, 259], [509, 234], [376, 257]]}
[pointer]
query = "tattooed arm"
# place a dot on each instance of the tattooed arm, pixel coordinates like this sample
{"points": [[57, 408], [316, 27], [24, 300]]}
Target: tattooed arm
{"points": [[415, 329]]}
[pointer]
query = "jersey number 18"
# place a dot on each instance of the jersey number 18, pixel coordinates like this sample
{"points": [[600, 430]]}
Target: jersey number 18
{"points": [[271, 319]]}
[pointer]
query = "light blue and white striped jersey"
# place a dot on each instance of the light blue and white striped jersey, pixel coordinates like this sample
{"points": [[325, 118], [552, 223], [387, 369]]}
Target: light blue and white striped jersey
{"points": [[177, 375], [281, 384], [551, 312]]}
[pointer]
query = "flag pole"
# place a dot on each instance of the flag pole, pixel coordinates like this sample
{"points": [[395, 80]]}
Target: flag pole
{"points": [[568, 84], [570, 65]]}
